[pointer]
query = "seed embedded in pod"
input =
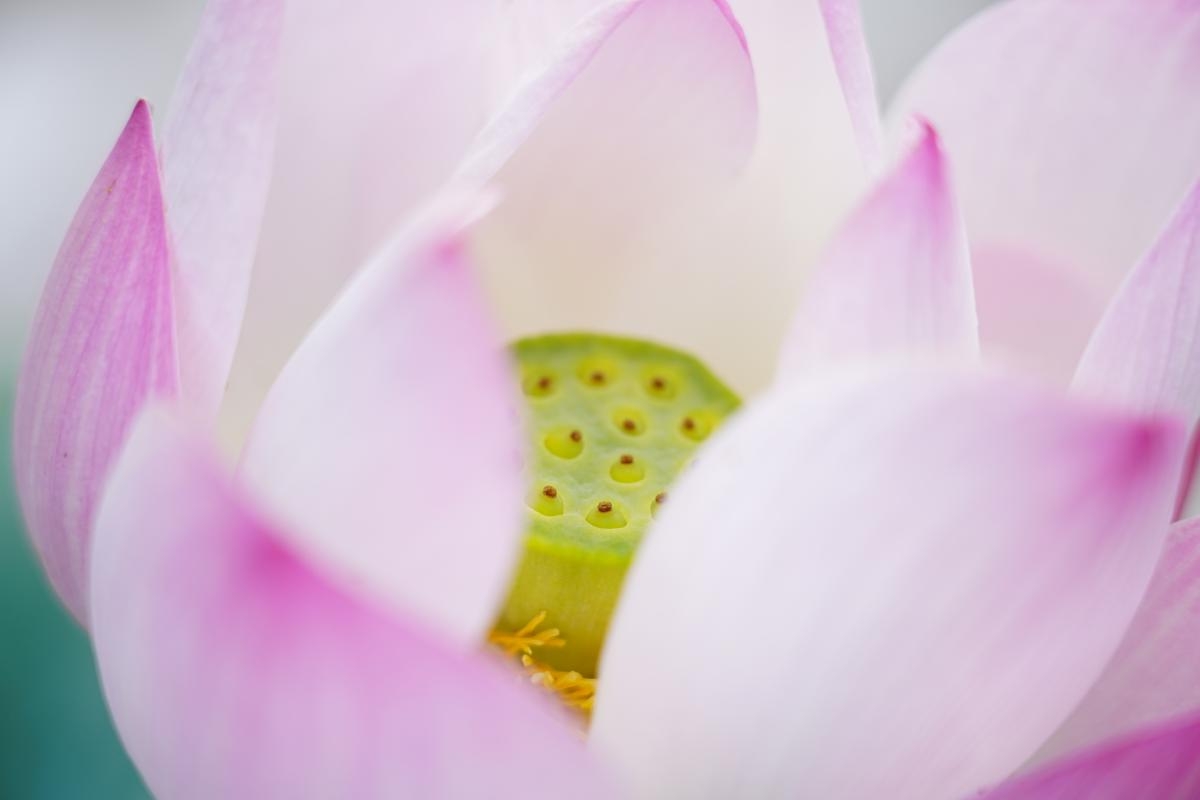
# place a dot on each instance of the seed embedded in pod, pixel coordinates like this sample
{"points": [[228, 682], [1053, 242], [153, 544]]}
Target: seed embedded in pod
{"points": [[697, 425], [539, 383], [606, 515], [547, 501], [659, 500], [627, 469], [630, 421], [661, 385], [565, 442], [598, 371]]}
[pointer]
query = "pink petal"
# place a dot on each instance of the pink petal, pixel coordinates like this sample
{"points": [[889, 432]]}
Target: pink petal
{"points": [[390, 445], [102, 342], [647, 113], [897, 276], [723, 281], [534, 29], [378, 102], [1153, 764], [1073, 126], [1152, 677], [217, 146], [1146, 350], [1033, 312], [848, 45], [929, 570], [234, 670]]}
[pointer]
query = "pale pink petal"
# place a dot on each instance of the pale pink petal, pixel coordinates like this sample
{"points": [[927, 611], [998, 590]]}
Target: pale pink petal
{"points": [[724, 281], [234, 670], [102, 342], [897, 277], [1072, 125], [533, 30], [217, 146], [848, 44], [378, 102], [1146, 350], [1152, 764], [649, 111], [390, 442], [1034, 313], [888, 585], [1153, 675]]}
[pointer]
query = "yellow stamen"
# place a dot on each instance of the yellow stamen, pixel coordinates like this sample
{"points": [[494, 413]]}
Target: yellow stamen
{"points": [[529, 637], [573, 689]]}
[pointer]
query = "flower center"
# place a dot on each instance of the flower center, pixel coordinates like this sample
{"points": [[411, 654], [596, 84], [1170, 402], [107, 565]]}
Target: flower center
{"points": [[611, 422]]}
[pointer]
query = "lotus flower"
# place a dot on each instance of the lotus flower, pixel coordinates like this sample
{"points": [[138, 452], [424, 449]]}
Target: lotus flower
{"points": [[893, 572]]}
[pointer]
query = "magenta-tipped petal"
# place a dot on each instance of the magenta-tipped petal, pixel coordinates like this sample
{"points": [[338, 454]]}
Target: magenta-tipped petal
{"points": [[884, 585], [1072, 125], [897, 277], [1146, 350], [1152, 677], [390, 443], [233, 670], [1161, 763], [103, 341], [218, 142]]}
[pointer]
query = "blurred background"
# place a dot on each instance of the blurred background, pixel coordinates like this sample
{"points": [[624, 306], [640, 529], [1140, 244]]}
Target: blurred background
{"points": [[69, 73]]}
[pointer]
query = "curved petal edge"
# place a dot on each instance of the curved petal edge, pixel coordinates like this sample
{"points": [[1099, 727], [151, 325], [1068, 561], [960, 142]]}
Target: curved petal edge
{"points": [[896, 279], [929, 570], [391, 443], [1154, 763], [217, 148], [1146, 349], [103, 341], [235, 670], [1152, 676]]}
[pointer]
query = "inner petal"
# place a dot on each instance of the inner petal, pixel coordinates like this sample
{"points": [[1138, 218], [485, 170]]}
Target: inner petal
{"points": [[611, 421]]}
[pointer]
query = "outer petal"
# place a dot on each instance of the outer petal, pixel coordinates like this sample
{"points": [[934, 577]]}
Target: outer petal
{"points": [[1146, 350], [896, 278], [378, 102], [217, 146], [928, 572], [102, 342], [848, 45], [724, 281], [650, 106], [390, 441], [1072, 124], [1152, 677], [1153, 764], [234, 670], [1033, 311]]}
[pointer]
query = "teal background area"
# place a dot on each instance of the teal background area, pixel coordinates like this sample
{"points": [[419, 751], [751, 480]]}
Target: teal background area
{"points": [[56, 739]]}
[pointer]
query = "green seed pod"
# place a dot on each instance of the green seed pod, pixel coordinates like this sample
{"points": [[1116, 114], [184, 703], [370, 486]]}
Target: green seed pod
{"points": [[611, 422]]}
